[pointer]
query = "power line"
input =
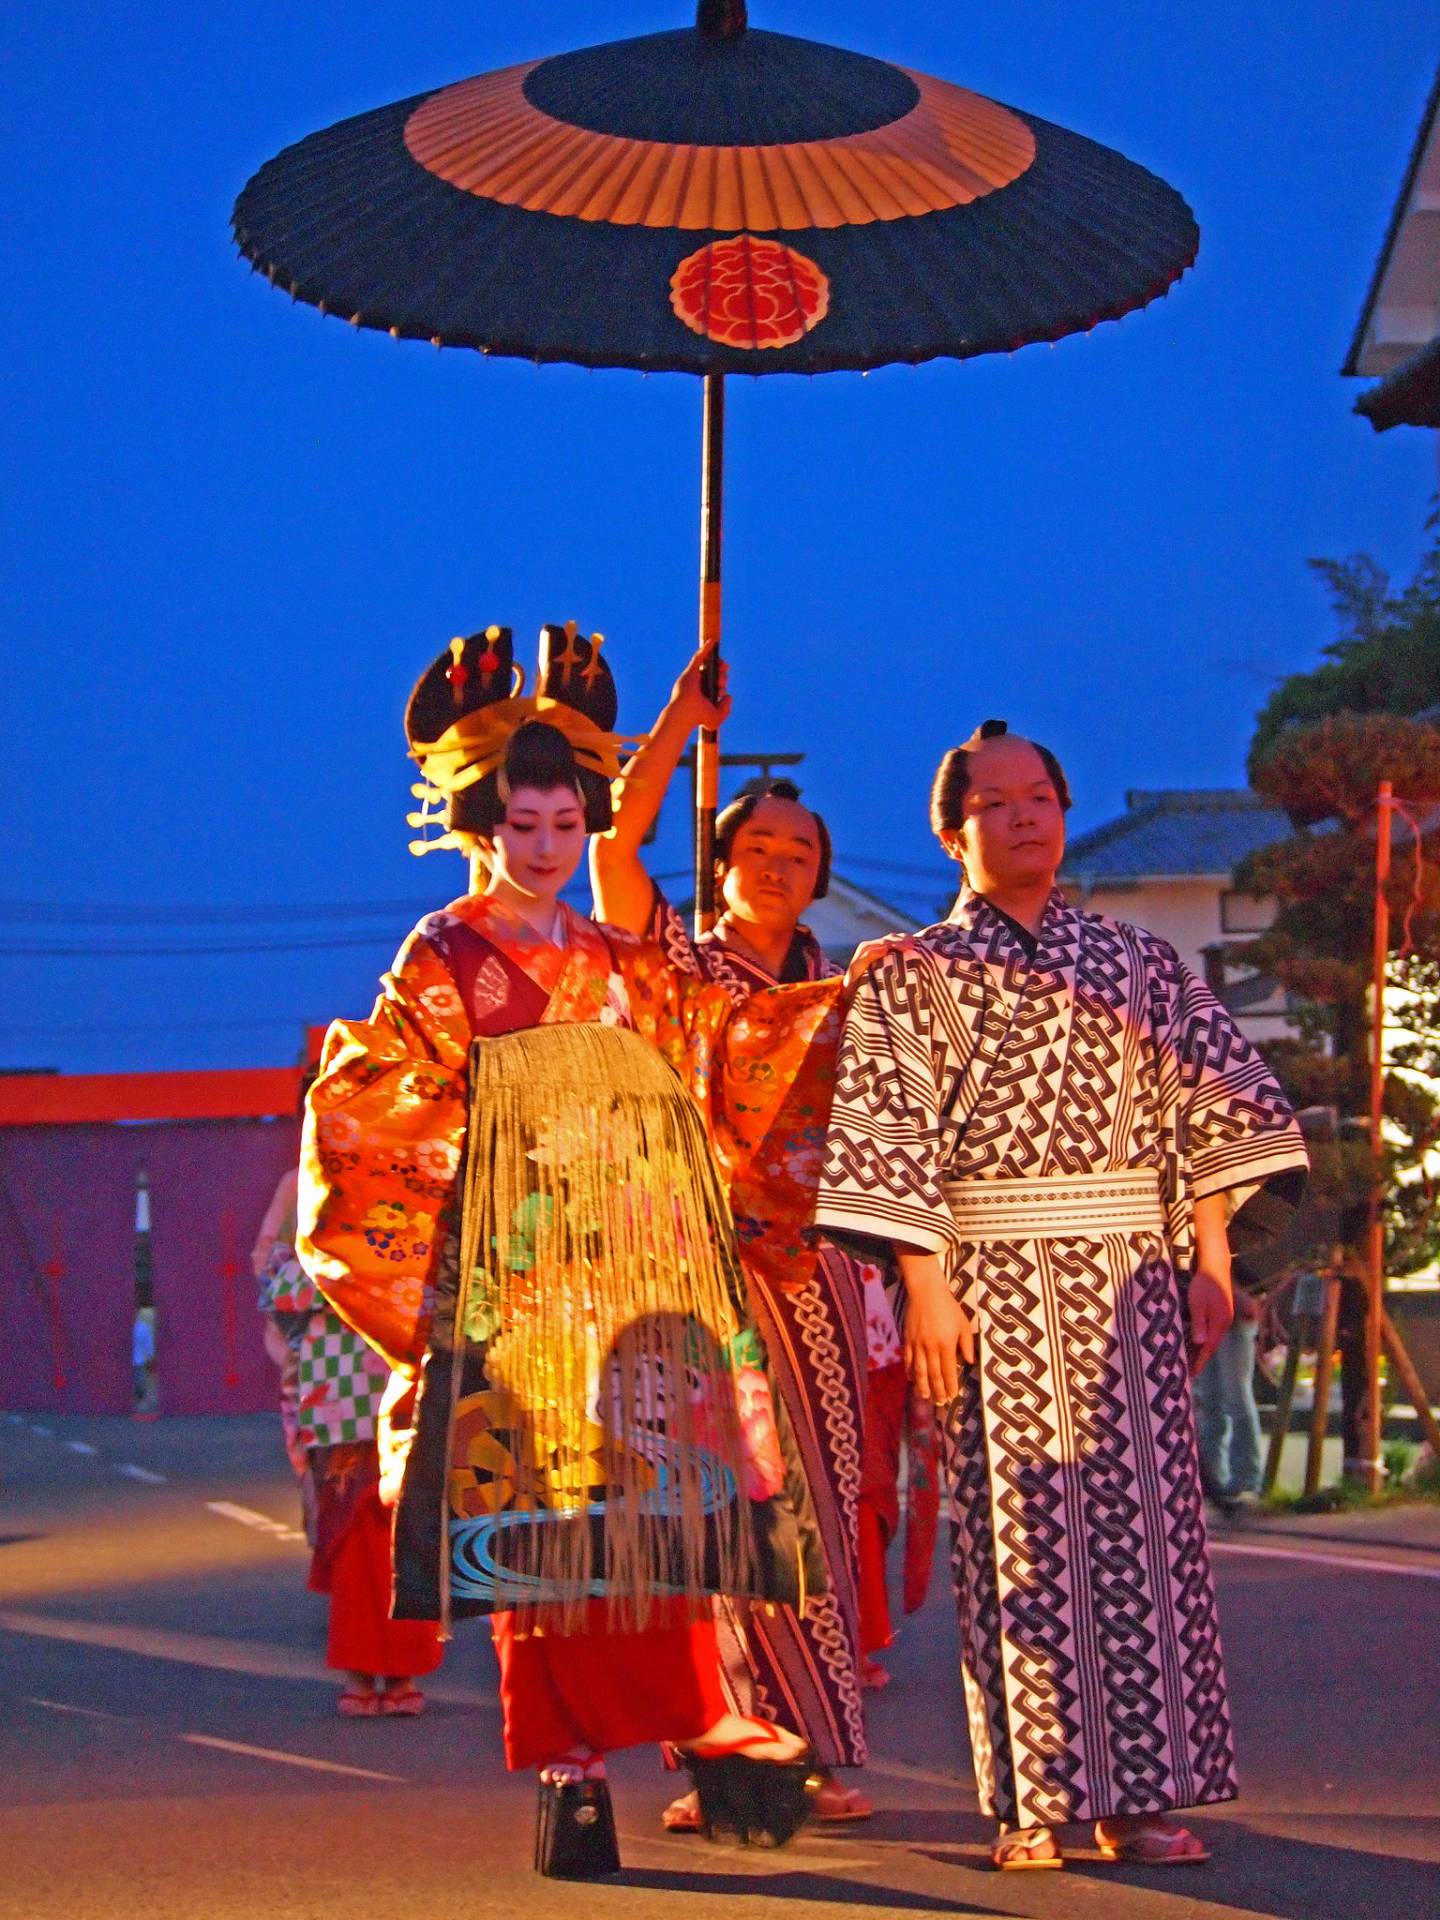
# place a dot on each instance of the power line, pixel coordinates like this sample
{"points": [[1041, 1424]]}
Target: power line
{"points": [[71, 1029], [92, 913], [99, 914], [96, 950]]}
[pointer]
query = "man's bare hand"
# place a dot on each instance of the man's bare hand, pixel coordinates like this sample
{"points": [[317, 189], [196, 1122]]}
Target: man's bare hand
{"points": [[865, 956], [938, 1332], [689, 697], [1212, 1309]]}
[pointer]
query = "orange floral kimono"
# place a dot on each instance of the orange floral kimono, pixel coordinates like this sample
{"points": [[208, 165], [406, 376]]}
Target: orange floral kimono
{"points": [[383, 1152]]}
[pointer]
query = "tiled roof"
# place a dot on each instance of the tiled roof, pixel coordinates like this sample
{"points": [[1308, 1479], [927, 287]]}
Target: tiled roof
{"points": [[1185, 832]]}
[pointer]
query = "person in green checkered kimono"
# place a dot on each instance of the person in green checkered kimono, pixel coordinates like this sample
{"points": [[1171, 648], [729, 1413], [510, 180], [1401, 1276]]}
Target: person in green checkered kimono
{"points": [[339, 1383]]}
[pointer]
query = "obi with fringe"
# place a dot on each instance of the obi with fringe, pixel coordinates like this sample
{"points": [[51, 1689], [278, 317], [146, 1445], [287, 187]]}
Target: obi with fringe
{"points": [[596, 1416]]}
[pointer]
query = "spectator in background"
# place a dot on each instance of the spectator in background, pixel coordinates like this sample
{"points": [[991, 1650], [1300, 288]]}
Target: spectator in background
{"points": [[330, 1390], [1227, 1419], [142, 1359], [901, 1436], [283, 1328]]}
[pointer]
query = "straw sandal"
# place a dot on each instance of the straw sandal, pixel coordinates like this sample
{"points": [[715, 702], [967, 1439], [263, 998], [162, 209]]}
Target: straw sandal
{"points": [[1017, 1851], [1164, 1844]]}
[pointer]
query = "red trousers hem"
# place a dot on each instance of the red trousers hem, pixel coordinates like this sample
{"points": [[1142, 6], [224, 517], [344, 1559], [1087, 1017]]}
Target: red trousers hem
{"points": [[363, 1638], [605, 1690]]}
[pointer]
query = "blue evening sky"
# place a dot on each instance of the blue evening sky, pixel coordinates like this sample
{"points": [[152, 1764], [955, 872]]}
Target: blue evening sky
{"points": [[236, 531]]}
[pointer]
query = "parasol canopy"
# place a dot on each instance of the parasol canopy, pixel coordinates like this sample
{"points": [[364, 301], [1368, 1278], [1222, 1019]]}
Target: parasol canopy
{"points": [[713, 200], [716, 199]]}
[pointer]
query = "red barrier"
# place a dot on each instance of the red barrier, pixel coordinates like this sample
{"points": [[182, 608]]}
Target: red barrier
{"points": [[81, 1099], [67, 1268], [68, 1256], [209, 1188]]}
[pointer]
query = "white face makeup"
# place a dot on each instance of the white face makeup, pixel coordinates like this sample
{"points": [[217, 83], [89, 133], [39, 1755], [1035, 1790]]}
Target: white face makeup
{"points": [[539, 844]]}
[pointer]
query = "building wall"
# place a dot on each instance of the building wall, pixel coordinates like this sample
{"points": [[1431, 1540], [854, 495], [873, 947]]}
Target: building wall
{"points": [[847, 915], [1184, 912]]}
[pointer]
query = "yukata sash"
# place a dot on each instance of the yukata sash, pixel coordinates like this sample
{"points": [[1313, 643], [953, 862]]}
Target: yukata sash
{"points": [[1061, 1206]]}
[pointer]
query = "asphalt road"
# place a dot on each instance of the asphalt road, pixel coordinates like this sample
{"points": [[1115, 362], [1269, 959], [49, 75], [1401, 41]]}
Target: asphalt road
{"points": [[169, 1748]]}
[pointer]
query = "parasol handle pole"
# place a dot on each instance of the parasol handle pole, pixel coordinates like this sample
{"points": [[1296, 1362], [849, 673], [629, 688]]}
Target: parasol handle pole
{"points": [[1372, 1467], [707, 747]]}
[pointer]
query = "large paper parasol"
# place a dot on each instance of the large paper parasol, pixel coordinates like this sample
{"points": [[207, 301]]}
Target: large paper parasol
{"points": [[713, 200]]}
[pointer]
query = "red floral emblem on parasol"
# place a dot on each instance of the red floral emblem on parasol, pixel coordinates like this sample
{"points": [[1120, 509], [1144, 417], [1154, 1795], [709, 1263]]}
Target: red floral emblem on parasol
{"points": [[749, 292]]}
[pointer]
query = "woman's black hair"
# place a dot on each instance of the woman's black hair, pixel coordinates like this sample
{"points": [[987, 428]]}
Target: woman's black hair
{"points": [[732, 818], [952, 777], [538, 755]]}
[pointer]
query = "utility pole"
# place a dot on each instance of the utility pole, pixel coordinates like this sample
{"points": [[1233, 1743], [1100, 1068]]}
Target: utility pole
{"points": [[1373, 1467]]}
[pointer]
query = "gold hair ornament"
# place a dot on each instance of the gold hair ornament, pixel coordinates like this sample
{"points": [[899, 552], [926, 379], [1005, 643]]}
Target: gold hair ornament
{"points": [[477, 744]]}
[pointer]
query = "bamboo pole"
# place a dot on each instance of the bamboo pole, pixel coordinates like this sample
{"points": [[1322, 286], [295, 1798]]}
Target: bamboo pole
{"points": [[1372, 1466], [707, 747]]}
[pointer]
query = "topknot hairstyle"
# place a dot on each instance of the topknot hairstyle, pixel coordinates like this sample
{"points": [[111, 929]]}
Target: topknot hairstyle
{"points": [[952, 777], [732, 818]]}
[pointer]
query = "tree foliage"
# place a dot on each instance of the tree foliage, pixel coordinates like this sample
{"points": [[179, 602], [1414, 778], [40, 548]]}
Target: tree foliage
{"points": [[1323, 742], [1385, 659]]}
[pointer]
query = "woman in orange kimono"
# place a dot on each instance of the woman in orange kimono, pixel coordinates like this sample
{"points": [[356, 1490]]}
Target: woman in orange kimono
{"points": [[510, 1190]]}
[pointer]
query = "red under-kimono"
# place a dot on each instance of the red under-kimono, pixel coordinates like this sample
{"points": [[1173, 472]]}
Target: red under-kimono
{"points": [[383, 1146]]}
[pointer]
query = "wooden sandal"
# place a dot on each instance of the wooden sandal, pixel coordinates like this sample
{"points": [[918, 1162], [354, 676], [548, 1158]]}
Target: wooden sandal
{"points": [[683, 1815], [832, 1805], [747, 1796], [570, 1768], [575, 1822]]}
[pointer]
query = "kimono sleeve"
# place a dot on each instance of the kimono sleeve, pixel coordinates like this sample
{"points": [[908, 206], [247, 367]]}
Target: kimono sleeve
{"points": [[384, 1128], [886, 1146], [770, 1106], [1233, 1128]]}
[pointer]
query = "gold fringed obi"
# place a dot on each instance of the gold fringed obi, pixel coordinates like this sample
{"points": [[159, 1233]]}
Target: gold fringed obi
{"points": [[612, 1429]]}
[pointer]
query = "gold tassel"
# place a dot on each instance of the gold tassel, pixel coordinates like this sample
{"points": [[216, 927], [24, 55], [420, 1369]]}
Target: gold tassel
{"points": [[598, 1264]]}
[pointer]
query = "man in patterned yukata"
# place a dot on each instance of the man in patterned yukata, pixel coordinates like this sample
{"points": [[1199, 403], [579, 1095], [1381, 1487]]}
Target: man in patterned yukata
{"points": [[1063, 1136]]}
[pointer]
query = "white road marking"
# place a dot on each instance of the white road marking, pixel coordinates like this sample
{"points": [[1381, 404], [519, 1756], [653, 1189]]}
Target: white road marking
{"points": [[142, 1473], [262, 1659], [1352, 1562], [290, 1759], [78, 1446], [247, 1517], [68, 1706]]}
